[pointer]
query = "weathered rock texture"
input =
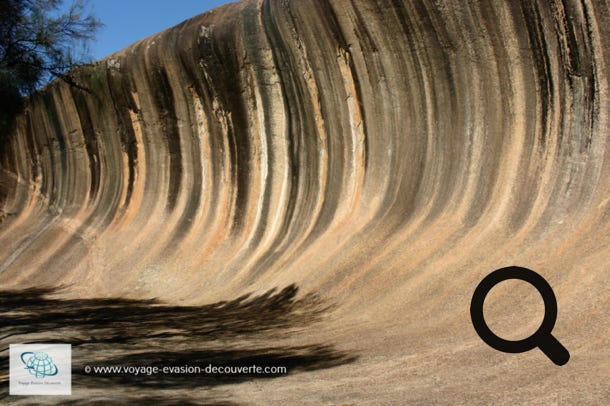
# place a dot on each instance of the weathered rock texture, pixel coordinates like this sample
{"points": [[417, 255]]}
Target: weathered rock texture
{"points": [[385, 155]]}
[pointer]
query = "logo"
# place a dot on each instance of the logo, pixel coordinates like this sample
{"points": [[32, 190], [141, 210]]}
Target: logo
{"points": [[40, 369], [39, 364]]}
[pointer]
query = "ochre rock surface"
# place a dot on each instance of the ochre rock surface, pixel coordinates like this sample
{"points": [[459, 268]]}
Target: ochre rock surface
{"points": [[383, 155]]}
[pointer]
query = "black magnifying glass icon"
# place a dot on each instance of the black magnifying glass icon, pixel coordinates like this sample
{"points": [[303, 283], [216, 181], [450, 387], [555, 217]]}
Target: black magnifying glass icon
{"points": [[542, 338]]}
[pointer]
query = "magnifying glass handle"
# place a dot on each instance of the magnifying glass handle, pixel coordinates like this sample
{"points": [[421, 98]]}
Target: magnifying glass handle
{"points": [[553, 349]]}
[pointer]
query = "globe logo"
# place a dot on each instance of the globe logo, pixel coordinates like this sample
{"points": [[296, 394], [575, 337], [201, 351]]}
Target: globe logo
{"points": [[39, 364]]}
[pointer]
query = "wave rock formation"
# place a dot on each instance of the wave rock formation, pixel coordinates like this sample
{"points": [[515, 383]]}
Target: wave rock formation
{"points": [[385, 155]]}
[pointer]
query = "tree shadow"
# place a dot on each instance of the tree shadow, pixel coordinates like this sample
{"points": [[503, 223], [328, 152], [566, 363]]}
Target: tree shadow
{"points": [[244, 332]]}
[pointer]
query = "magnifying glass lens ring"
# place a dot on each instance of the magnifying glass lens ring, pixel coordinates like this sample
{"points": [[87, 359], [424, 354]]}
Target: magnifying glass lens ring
{"points": [[500, 275]]}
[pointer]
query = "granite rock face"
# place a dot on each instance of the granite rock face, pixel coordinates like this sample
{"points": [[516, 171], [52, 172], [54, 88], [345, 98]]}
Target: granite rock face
{"points": [[385, 155]]}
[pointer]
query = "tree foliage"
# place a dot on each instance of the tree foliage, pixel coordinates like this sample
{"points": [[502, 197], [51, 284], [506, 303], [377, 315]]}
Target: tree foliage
{"points": [[37, 42], [40, 40]]}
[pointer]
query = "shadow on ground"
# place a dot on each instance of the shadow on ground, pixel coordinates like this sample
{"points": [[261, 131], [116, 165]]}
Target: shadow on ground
{"points": [[246, 331]]}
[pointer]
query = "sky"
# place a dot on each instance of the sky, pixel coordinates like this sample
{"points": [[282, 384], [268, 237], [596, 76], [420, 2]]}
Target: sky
{"points": [[127, 21]]}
